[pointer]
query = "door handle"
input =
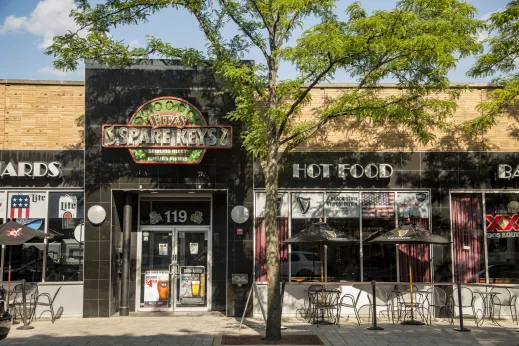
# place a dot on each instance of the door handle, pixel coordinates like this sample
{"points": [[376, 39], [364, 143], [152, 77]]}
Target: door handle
{"points": [[174, 269]]}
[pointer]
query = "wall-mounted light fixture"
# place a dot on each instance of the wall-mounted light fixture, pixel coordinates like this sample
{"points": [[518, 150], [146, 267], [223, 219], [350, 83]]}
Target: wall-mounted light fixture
{"points": [[96, 214]]}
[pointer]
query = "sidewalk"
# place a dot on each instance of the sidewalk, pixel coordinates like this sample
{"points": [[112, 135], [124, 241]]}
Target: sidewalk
{"points": [[206, 330]]}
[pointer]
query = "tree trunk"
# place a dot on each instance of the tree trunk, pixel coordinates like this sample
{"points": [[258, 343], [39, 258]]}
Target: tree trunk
{"points": [[273, 330]]}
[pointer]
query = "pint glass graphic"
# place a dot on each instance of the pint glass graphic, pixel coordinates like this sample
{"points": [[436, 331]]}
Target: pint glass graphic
{"points": [[195, 288], [163, 288]]}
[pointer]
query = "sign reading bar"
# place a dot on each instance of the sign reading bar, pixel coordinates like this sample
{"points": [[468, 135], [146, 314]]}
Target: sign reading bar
{"points": [[507, 172], [167, 130]]}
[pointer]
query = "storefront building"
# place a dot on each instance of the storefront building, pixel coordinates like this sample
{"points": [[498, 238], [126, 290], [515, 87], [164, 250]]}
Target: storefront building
{"points": [[162, 164], [41, 186]]}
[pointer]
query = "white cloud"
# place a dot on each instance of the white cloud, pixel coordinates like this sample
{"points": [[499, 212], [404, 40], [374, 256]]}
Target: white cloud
{"points": [[48, 19]]}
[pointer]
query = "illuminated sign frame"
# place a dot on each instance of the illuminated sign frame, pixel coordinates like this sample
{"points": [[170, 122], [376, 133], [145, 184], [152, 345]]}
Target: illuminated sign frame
{"points": [[167, 130]]}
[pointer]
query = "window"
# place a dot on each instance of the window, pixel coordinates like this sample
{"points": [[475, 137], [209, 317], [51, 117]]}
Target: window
{"points": [[59, 258], [351, 212], [65, 248], [502, 228]]}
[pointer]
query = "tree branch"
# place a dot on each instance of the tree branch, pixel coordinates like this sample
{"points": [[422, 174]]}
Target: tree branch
{"points": [[255, 5], [305, 92], [288, 27]]}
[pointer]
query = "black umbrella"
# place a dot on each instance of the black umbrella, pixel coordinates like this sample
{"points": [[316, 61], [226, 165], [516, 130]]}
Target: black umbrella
{"points": [[324, 234], [410, 234], [14, 233]]}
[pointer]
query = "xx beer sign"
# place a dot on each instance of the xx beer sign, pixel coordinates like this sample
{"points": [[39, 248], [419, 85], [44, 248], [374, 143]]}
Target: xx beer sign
{"points": [[502, 223]]}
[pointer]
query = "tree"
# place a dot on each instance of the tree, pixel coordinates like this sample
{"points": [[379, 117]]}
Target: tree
{"points": [[414, 44], [501, 57]]}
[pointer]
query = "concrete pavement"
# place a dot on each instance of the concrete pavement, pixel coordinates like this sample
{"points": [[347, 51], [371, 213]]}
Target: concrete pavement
{"points": [[206, 330]]}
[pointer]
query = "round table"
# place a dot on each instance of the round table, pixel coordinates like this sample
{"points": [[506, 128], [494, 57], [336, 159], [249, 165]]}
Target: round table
{"points": [[488, 308], [324, 300], [400, 293]]}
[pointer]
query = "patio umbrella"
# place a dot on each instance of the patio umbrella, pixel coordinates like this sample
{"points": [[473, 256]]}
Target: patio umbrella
{"points": [[409, 233], [14, 233], [323, 234]]}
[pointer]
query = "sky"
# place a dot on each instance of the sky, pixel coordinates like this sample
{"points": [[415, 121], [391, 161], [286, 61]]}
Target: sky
{"points": [[28, 26]]}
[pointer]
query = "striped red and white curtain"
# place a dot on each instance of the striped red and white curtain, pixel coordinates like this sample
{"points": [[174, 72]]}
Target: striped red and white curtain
{"points": [[415, 254], [467, 239], [260, 250]]}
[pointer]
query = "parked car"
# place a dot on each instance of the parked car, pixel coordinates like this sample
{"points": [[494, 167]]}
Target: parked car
{"points": [[499, 273], [304, 264]]}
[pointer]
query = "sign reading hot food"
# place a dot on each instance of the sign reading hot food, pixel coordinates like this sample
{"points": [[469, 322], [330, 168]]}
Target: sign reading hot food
{"points": [[167, 130]]}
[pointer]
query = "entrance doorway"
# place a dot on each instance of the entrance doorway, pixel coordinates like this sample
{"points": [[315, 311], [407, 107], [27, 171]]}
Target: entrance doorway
{"points": [[175, 267]]}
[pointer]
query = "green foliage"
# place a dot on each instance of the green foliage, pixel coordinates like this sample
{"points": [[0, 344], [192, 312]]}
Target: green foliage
{"points": [[501, 58]]}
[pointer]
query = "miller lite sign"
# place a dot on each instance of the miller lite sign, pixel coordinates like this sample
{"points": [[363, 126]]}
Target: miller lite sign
{"points": [[68, 207]]}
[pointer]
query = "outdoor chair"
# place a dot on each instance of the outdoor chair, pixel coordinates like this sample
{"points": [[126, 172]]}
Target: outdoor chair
{"points": [[49, 304], [31, 291], [384, 303], [504, 299], [439, 299], [467, 301], [306, 312], [348, 301]]}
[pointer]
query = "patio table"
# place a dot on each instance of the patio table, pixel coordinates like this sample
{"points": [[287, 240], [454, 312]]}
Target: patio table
{"points": [[488, 308], [321, 301], [417, 303]]}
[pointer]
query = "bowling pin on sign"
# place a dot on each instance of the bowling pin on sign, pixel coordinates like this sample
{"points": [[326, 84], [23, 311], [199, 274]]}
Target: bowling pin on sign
{"points": [[68, 207]]}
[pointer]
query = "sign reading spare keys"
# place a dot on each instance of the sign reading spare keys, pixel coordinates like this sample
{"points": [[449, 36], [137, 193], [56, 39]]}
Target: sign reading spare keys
{"points": [[167, 130]]}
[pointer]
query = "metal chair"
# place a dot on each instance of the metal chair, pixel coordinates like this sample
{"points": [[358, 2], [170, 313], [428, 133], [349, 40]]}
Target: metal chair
{"points": [[49, 304], [467, 301], [439, 299], [348, 301], [307, 310], [504, 299], [31, 292], [384, 303]]}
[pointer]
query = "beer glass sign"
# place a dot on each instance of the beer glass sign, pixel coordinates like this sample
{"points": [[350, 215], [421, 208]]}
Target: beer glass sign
{"points": [[156, 289], [192, 286]]}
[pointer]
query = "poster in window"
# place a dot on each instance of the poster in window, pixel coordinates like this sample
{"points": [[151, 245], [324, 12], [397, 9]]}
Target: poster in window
{"points": [[67, 207], [163, 249], [307, 205], [413, 204], [378, 205], [281, 204], [192, 286], [156, 289], [23, 205], [193, 248], [342, 205]]}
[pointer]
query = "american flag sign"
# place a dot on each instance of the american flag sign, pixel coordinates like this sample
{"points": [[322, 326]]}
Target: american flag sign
{"points": [[378, 204], [20, 206]]}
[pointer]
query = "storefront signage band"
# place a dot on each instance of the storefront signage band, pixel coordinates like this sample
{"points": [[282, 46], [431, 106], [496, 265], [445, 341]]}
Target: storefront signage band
{"points": [[507, 172], [313, 171], [26, 169], [167, 130]]}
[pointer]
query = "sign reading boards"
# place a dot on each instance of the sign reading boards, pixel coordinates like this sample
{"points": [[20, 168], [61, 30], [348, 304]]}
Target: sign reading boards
{"points": [[192, 286], [167, 130]]}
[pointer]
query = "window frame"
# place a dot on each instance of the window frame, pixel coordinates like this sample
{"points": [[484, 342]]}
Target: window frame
{"points": [[290, 192], [6, 192]]}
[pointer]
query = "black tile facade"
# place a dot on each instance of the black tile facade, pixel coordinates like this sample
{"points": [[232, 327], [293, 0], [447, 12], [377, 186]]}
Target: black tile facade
{"points": [[112, 96]]}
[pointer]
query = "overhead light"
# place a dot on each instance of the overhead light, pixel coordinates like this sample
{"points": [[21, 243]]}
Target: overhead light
{"points": [[154, 192], [190, 192]]}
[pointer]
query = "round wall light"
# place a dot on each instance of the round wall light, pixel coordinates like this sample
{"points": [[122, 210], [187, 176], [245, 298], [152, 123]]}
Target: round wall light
{"points": [[240, 214], [96, 214]]}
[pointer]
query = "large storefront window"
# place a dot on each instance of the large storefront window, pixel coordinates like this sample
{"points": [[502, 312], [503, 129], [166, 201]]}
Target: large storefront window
{"points": [[502, 227], [59, 214], [352, 212]]}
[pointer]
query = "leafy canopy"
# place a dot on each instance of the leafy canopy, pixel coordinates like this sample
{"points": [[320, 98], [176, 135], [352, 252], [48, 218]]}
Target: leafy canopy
{"points": [[414, 44], [501, 58]]}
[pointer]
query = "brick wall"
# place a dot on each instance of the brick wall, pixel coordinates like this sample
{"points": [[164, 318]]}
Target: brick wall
{"points": [[348, 135], [41, 115], [49, 115]]}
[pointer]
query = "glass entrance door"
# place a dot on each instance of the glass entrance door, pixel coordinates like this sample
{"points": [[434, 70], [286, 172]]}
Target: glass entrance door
{"points": [[193, 253], [155, 278], [174, 269]]}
